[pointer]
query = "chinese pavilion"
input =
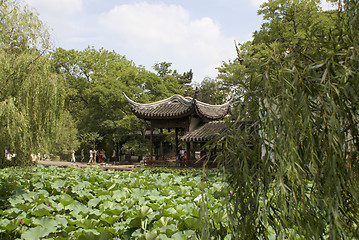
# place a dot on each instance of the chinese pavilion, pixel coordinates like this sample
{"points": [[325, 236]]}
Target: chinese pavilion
{"points": [[197, 120]]}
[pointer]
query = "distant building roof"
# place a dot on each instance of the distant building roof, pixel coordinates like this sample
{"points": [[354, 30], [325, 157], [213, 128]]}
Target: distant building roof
{"points": [[178, 106], [206, 132]]}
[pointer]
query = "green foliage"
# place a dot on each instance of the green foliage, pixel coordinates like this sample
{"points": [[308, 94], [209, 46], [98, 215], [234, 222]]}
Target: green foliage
{"points": [[292, 23], [177, 83], [95, 81], [297, 176], [64, 138], [175, 171], [212, 92], [136, 144], [162, 69], [90, 139], [31, 95], [69, 203]]}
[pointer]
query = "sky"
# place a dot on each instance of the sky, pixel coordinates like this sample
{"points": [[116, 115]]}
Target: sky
{"points": [[190, 34]]}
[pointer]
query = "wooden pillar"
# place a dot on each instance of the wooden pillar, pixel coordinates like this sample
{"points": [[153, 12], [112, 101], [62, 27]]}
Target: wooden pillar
{"points": [[203, 154], [161, 150], [176, 142], [214, 155], [188, 153], [151, 144]]}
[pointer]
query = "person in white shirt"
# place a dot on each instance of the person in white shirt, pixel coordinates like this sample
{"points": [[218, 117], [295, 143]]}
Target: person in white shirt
{"points": [[91, 156], [73, 159]]}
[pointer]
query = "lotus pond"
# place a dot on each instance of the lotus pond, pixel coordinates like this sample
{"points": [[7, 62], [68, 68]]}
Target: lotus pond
{"points": [[72, 203]]}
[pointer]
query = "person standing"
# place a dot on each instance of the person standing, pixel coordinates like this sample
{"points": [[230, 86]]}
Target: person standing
{"points": [[73, 159], [97, 155], [91, 156], [114, 155], [178, 159], [104, 157], [82, 155]]}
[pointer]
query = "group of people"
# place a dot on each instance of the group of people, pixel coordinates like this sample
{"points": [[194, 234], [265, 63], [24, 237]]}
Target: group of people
{"points": [[97, 156], [8, 155]]}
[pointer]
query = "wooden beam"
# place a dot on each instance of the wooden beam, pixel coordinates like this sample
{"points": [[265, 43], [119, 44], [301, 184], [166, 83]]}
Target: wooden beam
{"points": [[151, 144], [170, 123]]}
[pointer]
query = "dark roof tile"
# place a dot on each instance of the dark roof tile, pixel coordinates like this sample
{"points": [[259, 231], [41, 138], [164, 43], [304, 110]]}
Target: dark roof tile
{"points": [[177, 107], [206, 132]]}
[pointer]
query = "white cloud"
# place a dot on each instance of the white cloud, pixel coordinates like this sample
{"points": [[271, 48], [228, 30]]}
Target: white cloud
{"points": [[167, 33], [56, 7], [157, 24], [257, 3], [326, 6]]}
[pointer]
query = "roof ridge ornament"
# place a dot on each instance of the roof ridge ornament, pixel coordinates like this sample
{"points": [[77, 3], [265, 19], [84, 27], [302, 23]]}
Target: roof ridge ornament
{"points": [[194, 99]]}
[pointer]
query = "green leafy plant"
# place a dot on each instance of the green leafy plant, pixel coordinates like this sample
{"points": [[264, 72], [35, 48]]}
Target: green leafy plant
{"points": [[296, 176], [72, 203]]}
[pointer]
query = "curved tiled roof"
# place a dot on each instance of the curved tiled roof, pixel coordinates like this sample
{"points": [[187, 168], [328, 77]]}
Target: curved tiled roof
{"points": [[212, 112], [177, 107], [206, 132], [172, 107]]}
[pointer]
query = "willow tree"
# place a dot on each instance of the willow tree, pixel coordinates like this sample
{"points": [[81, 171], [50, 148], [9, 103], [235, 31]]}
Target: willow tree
{"points": [[296, 176], [30, 93]]}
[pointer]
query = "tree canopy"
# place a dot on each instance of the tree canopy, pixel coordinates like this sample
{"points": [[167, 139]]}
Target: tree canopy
{"points": [[180, 81], [212, 91], [31, 94], [296, 175], [95, 81]]}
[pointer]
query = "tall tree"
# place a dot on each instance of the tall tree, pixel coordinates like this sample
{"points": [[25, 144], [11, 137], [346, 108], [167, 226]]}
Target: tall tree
{"points": [[95, 81], [175, 82], [211, 91], [298, 84], [31, 94], [162, 69]]}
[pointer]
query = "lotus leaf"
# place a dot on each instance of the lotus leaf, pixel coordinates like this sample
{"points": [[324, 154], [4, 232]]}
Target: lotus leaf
{"points": [[47, 222], [35, 233], [71, 203]]}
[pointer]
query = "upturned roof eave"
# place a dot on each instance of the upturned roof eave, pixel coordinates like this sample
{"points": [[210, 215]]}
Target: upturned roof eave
{"points": [[208, 117], [190, 105]]}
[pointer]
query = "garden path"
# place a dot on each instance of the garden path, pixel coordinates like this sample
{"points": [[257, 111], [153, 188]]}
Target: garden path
{"points": [[103, 166]]}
